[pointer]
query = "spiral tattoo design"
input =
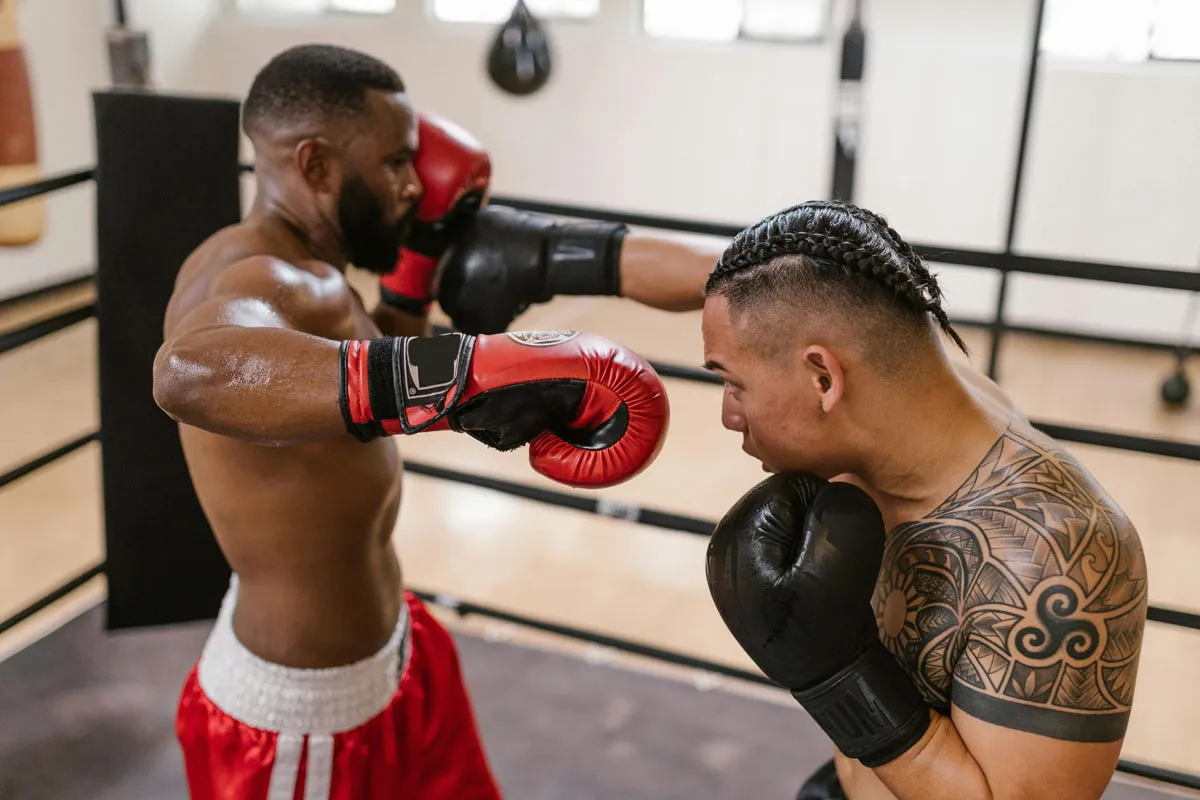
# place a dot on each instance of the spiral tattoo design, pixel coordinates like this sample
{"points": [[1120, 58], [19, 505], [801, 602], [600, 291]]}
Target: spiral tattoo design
{"points": [[1021, 599]]}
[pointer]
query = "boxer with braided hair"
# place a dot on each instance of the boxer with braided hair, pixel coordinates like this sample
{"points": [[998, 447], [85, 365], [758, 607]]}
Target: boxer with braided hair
{"points": [[840, 242], [911, 570]]}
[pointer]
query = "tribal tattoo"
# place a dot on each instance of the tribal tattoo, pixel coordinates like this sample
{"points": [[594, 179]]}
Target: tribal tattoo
{"points": [[1022, 598]]}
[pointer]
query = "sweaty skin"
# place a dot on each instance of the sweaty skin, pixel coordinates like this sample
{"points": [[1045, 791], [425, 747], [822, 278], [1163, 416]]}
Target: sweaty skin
{"points": [[249, 367], [306, 526], [972, 600]]}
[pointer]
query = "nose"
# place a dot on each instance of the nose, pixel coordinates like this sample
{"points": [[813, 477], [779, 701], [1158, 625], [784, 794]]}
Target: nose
{"points": [[410, 186], [731, 414]]}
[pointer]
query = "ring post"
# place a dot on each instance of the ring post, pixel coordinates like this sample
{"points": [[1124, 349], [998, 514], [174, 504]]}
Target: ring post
{"points": [[166, 179]]}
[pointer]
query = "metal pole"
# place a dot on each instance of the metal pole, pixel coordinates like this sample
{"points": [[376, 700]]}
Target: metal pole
{"points": [[1035, 50], [128, 52], [849, 111]]}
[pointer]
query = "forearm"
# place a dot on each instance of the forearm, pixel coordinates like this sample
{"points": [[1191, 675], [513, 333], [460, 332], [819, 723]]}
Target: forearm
{"points": [[393, 322], [266, 385], [938, 767], [664, 273]]}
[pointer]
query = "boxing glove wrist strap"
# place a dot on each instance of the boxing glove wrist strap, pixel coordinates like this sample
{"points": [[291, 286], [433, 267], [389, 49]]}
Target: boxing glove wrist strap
{"points": [[409, 300], [584, 258], [871, 709], [401, 384]]}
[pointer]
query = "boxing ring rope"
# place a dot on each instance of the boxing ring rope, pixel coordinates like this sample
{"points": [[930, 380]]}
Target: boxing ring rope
{"points": [[1005, 263], [45, 327], [1137, 276], [28, 191]]}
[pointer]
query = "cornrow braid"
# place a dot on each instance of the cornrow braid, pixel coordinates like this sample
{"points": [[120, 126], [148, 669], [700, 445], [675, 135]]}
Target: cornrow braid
{"points": [[840, 239]]}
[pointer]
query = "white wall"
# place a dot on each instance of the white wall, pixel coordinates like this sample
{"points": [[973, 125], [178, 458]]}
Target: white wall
{"points": [[733, 132], [702, 130]]}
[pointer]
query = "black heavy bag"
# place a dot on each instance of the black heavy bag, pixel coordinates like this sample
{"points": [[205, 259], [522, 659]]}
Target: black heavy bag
{"points": [[519, 62]]}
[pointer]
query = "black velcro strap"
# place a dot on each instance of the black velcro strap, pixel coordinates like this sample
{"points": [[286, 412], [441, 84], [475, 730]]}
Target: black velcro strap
{"points": [[871, 709], [380, 378]]}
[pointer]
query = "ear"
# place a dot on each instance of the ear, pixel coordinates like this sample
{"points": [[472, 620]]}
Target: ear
{"points": [[827, 377], [318, 164]]}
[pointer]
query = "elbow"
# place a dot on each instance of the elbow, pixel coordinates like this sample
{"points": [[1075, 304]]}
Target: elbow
{"points": [[177, 385]]}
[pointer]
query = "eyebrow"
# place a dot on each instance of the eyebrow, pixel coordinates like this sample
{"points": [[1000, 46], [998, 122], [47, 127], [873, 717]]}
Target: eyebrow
{"points": [[712, 365]]}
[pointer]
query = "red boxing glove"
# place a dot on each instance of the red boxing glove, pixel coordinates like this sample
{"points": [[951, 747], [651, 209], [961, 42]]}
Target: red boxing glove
{"points": [[455, 171], [593, 412]]}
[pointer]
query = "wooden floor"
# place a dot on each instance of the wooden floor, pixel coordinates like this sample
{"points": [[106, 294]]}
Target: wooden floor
{"points": [[615, 577]]}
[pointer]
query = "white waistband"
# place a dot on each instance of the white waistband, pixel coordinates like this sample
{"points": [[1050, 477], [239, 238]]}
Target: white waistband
{"points": [[272, 697]]}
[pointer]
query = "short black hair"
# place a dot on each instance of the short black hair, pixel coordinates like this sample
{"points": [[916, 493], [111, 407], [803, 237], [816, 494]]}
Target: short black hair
{"points": [[833, 251], [314, 81]]}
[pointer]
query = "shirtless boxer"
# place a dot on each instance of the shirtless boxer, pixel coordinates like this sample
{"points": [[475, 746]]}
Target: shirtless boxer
{"points": [[950, 594], [322, 677]]}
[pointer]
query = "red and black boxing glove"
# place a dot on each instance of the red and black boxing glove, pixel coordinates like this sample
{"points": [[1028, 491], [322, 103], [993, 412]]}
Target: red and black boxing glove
{"points": [[455, 172], [594, 413]]}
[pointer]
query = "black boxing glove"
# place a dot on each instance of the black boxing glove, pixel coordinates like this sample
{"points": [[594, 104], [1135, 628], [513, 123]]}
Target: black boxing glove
{"points": [[791, 568], [508, 260]]}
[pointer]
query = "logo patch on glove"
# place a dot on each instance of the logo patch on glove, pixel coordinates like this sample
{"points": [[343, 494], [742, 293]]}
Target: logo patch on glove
{"points": [[542, 338]]}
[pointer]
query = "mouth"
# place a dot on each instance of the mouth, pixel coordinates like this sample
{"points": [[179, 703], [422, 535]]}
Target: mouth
{"points": [[404, 225]]}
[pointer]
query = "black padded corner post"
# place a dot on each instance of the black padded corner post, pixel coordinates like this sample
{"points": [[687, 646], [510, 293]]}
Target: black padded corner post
{"points": [[166, 179]]}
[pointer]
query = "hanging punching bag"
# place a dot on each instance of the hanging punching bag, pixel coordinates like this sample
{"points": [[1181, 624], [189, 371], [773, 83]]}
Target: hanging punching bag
{"points": [[519, 61], [20, 223]]}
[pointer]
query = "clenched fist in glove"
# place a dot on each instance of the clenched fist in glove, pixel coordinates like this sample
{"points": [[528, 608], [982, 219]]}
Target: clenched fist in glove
{"points": [[506, 260], [791, 568], [593, 413], [455, 171]]}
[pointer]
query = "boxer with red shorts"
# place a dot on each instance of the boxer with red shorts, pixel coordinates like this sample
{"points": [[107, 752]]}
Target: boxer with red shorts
{"points": [[323, 677]]}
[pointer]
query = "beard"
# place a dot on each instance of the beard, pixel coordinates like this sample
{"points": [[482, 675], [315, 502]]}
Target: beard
{"points": [[373, 244]]}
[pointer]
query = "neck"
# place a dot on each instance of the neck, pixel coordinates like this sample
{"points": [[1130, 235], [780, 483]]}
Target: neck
{"points": [[919, 454], [303, 222]]}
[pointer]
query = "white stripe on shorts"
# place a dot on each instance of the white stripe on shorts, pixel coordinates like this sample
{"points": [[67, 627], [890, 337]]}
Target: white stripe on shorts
{"points": [[288, 747]]}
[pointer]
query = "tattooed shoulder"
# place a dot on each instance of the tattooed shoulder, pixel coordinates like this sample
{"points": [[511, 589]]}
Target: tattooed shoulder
{"points": [[1022, 598]]}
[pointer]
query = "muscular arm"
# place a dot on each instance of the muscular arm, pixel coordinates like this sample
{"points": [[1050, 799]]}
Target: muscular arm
{"points": [[238, 364], [1029, 588], [665, 273]]}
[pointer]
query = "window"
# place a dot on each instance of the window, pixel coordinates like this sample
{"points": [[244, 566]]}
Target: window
{"points": [[1176, 30], [729, 20], [1124, 30], [500, 10], [317, 6]]}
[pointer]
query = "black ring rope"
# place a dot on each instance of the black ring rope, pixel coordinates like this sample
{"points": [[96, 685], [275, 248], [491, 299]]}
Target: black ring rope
{"points": [[1182, 280], [1068, 433], [46, 459], [54, 596], [44, 327], [463, 609], [26, 191]]}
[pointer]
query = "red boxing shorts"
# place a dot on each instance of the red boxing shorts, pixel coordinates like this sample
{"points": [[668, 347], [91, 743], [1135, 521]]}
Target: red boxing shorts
{"points": [[396, 724]]}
